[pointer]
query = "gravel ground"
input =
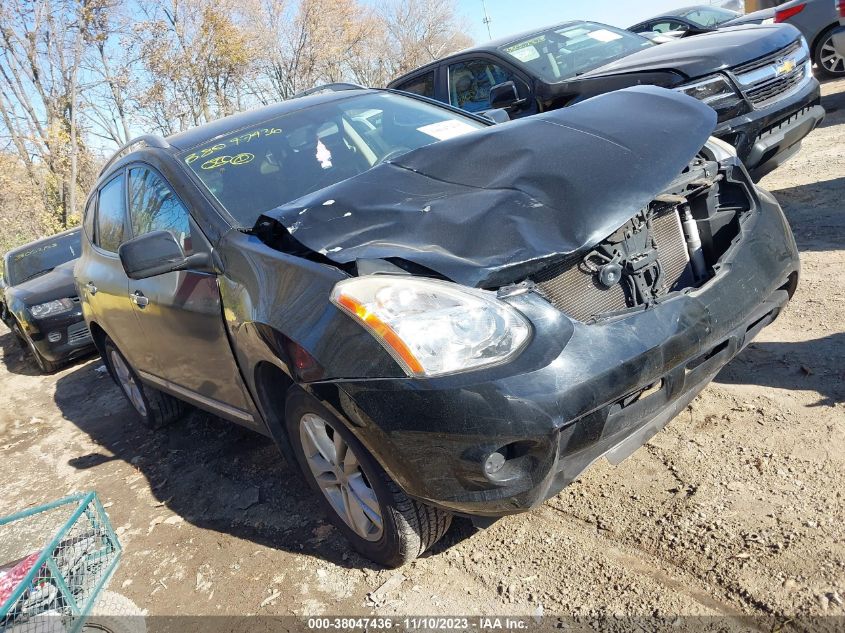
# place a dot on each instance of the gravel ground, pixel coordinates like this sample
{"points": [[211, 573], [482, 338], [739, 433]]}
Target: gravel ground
{"points": [[735, 509]]}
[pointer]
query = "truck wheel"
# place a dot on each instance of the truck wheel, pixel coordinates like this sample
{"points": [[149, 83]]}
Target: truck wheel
{"points": [[366, 505], [46, 366], [829, 61], [156, 408]]}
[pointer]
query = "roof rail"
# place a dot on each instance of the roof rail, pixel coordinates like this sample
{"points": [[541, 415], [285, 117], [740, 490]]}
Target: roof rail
{"points": [[332, 87], [153, 140]]}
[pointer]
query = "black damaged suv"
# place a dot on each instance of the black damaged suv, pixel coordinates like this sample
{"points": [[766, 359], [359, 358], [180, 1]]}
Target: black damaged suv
{"points": [[429, 313]]}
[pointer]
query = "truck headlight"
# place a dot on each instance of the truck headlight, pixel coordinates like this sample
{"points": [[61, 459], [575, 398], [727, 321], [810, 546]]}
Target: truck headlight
{"points": [[51, 308], [434, 328], [717, 92]]}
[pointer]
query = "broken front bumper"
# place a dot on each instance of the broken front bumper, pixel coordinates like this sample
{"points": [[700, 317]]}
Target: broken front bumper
{"points": [[579, 391]]}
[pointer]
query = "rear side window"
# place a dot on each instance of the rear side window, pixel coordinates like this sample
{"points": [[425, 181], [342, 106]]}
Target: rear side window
{"points": [[668, 25], [88, 221], [154, 207], [420, 85], [111, 216]]}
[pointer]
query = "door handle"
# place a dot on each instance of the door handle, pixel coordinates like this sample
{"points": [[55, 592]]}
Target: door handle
{"points": [[139, 299], [91, 288]]}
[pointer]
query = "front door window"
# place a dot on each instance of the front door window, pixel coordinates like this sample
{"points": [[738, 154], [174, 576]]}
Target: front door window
{"points": [[470, 83]]}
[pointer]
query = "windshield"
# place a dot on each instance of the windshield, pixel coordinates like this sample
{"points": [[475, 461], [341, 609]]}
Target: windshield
{"points": [[37, 259], [568, 51], [250, 171], [708, 17]]}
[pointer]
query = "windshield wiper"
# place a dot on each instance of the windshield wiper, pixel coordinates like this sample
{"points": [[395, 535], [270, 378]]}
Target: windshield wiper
{"points": [[38, 274]]}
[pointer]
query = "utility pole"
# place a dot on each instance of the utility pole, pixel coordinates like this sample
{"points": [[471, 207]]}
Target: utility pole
{"points": [[486, 19]]}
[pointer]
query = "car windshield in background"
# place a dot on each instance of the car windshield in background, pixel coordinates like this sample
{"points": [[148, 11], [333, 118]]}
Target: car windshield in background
{"points": [[40, 258], [253, 170], [571, 50], [708, 17]]}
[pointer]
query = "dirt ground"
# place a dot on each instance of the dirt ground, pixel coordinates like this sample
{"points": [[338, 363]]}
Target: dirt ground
{"points": [[734, 509]]}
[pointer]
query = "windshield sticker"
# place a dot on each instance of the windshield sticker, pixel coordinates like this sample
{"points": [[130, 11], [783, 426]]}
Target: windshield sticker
{"points": [[446, 129], [35, 251], [525, 54], [526, 43], [240, 139], [218, 161], [603, 35]]}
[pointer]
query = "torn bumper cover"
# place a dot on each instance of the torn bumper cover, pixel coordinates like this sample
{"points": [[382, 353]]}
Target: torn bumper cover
{"points": [[611, 387]]}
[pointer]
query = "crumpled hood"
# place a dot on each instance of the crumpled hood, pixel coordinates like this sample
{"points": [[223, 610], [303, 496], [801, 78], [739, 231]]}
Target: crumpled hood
{"points": [[57, 284], [705, 54], [496, 205]]}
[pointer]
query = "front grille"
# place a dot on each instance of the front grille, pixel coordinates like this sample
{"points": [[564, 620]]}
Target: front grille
{"points": [[773, 77], [776, 89], [768, 59], [78, 334], [576, 291]]}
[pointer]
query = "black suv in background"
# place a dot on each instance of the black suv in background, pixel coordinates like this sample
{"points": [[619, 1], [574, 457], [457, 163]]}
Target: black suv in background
{"points": [[429, 313], [39, 302], [757, 78]]}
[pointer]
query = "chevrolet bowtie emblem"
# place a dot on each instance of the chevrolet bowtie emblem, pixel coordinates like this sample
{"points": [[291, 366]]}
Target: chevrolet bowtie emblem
{"points": [[784, 66]]}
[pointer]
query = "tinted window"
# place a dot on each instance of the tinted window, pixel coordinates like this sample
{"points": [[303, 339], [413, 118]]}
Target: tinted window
{"points": [[253, 170], [570, 50], [664, 26], [154, 207], [708, 17], [111, 215], [420, 85], [470, 83], [42, 257]]}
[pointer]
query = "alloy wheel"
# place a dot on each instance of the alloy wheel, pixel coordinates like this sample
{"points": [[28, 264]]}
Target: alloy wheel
{"points": [[832, 61], [127, 382], [339, 475]]}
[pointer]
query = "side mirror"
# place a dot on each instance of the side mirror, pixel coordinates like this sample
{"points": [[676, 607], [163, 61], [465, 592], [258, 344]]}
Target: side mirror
{"points": [[504, 95], [497, 115], [157, 253]]}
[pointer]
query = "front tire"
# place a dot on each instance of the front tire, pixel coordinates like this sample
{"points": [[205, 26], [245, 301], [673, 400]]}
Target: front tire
{"points": [[378, 519], [155, 408], [46, 366], [830, 63]]}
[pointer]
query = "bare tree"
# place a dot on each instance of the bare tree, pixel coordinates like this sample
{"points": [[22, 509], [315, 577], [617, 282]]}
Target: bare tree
{"points": [[420, 31], [196, 54]]}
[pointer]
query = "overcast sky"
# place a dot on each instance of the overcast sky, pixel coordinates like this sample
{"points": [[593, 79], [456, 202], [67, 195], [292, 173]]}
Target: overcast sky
{"points": [[513, 16]]}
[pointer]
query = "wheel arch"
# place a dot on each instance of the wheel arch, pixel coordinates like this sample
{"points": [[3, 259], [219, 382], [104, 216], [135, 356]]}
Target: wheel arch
{"points": [[818, 37], [98, 335]]}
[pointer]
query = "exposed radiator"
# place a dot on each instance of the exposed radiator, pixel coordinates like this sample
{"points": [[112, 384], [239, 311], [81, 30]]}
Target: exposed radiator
{"points": [[575, 290]]}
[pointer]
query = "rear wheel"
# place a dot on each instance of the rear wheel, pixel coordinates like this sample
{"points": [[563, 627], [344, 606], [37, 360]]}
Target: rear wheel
{"points": [[375, 515], [156, 408], [831, 62]]}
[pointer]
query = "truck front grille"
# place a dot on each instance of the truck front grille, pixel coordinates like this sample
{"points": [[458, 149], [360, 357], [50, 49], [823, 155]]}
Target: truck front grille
{"points": [[769, 79], [573, 288]]}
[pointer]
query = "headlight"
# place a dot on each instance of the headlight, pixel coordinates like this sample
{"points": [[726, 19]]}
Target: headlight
{"points": [[718, 93], [433, 328], [51, 308]]}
